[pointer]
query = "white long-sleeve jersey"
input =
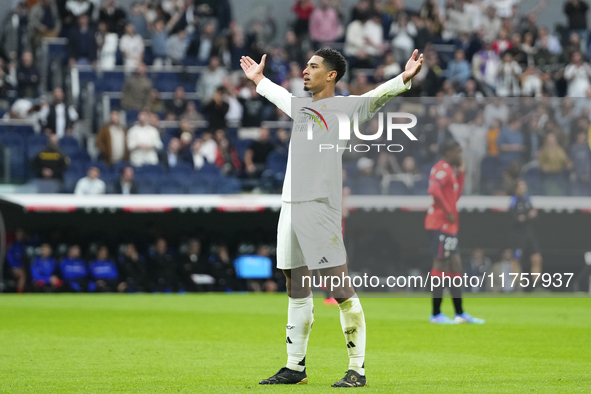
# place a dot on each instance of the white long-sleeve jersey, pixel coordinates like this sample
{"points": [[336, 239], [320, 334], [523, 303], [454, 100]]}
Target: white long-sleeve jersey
{"points": [[313, 173]]}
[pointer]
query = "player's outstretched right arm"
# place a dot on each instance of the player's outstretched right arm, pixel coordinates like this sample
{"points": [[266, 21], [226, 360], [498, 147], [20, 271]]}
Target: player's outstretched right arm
{"points": [[271, 91]]}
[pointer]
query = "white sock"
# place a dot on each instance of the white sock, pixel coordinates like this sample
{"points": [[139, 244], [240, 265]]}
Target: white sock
{"points": [[353, 324], [300, 316]]}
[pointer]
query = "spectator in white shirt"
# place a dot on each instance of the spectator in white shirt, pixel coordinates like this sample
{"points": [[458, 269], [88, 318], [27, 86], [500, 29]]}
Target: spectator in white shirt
{"points": [[363, 41], [132, 47], [143, 142], [577, 75], [204, 149], [90, 184]]}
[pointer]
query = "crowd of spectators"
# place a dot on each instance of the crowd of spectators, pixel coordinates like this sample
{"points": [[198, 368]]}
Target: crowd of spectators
{"points": [[473, 50], [35, 264]]}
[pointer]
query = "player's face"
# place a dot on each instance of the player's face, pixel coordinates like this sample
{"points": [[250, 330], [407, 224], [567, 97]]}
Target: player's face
{"points": [[316, 76]]}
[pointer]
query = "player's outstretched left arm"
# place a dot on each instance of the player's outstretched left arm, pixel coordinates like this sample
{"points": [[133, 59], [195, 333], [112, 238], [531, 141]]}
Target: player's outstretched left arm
{"points": [[413, 66]]}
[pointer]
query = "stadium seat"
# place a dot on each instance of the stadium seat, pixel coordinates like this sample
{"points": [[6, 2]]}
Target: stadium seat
{"points": [[241, 146], [117, 167], [150, 169], [490, 174], [277, 162], [171, 186], [210, 170], [533, 178], [80, 158], [24, 130], [113, 81], [182, 170], [101, 165], [398, 188], [556, 185], [426, 168], [229, 185], [146, 186], [70, 150], [367, 186], [70, 180], [202, 184], [131, 116], [16, 144], [67, 141], [421, 187]]}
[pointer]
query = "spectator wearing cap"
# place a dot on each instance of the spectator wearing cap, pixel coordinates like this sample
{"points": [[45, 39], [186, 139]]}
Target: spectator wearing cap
{"points": [[91, 184], [125, 184], [143, 141]]}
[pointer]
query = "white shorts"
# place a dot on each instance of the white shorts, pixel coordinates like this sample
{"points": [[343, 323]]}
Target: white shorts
{"points": [[310, 234]]}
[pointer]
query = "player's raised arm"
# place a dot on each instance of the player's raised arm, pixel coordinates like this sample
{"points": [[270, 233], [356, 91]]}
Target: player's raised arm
{"points": [[393, 87], [276, 94], [402, 82], [252, 69]]}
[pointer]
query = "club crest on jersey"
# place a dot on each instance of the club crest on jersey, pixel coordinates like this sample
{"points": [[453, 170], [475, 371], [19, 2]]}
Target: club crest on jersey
{"points": [[316, 116]]}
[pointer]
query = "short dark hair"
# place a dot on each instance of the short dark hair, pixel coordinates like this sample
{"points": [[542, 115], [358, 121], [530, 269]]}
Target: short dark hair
{"points": [[333, 60], [447, 145]]}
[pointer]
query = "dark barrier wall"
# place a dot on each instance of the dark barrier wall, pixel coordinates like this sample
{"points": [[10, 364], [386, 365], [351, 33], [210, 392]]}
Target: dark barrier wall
{"points": [[399, 236]]}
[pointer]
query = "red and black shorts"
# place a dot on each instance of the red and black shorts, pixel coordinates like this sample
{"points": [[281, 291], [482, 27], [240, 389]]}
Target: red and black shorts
{"points": [[443, 245]]}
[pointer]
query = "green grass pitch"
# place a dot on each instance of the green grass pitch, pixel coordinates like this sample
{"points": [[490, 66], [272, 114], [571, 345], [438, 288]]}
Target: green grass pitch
{"points": [[218, 343]]}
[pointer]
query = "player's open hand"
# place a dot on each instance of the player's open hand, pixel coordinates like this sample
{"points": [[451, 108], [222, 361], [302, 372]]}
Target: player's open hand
{"points": [[252, 69], [413, 66]]}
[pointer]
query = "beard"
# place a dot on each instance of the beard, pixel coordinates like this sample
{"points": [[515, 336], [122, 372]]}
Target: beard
{"points": [[306, 89]]}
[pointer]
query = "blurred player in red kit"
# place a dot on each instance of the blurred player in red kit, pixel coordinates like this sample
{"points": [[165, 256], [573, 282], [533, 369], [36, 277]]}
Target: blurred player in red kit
{"points": [[446, 183]]}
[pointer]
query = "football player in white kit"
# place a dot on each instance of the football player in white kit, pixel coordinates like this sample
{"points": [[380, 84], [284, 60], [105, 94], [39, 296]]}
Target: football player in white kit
{"points": [[309, 234]]}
